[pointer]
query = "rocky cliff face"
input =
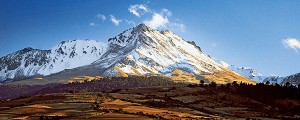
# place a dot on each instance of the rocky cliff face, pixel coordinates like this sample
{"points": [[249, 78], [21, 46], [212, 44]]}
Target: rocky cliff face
{"points": [[25, 62]]}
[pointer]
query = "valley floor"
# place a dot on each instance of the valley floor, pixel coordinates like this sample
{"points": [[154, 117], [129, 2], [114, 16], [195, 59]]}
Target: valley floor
{"points": [[178, 102]]}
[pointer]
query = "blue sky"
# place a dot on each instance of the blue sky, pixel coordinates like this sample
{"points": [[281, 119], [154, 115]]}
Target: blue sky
{"points": [[261, 34]]}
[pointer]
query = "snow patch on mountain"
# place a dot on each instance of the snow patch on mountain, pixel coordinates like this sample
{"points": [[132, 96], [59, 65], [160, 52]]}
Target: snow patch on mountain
{"points": [[72, 54], [147, 51], [136, 51], [254, 75], [247, 72], [26, 61], [66, 55]]}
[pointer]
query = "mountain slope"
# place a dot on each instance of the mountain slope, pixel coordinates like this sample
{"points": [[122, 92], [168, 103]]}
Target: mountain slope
{"points": [[136, 51], [160, 52], [25, 62], [292, 79], [151, 52], [66, 55], [247, 72], [254, 75]]}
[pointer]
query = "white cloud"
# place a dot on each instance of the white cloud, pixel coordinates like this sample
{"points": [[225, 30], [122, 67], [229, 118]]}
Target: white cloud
{"points": [[166, 11], [115, 20], [159, 18], [157, 21], [101, 17], [178, 26], [134, 9], [92, 24], [291, 43], [130, 22]]}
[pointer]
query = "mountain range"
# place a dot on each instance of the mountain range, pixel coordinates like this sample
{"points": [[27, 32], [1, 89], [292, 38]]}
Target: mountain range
{"points": [[252, 74], [138, 51]]}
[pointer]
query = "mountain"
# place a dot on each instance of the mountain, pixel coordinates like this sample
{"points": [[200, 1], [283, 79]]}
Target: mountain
{"points": [[247, 72], [292, 79], [136, 51], [25, 62], [252, 74], [66, 55]]}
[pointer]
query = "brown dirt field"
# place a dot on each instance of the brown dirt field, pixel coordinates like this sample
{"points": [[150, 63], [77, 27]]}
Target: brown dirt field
{"points": [[142, 103]]}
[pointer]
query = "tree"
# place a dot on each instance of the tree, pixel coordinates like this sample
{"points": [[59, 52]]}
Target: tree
{"points": [[201, 82], [228, 85], [287, 84], [268, 82], [213, 84], [277, 85], [235, 84], [41, 117]]}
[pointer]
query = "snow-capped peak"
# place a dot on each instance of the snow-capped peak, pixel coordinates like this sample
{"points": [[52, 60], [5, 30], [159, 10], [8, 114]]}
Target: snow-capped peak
{"points": [[65, 55], [155, 52], [127, 36], [137, 51]]}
